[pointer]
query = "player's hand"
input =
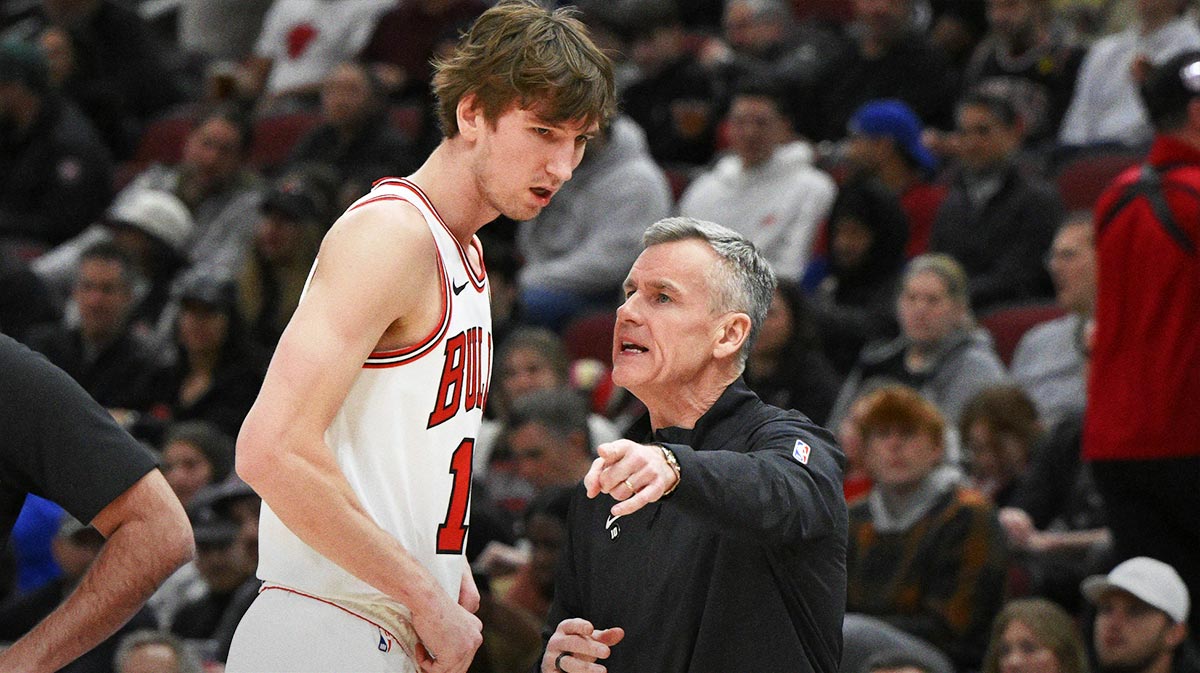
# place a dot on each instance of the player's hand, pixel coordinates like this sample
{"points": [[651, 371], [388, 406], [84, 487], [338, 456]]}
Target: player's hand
{"points": [[468, 593], [576, 645], [449, 636], [635, 474]]}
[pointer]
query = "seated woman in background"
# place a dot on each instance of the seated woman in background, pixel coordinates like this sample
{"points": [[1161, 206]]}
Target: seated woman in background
{"points": [[786, 367], [1034, 635], [941, 351], [855, 303]]}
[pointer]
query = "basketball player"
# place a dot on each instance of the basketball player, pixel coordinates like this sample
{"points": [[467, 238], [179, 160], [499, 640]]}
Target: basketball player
{"points": [[360, 441]]}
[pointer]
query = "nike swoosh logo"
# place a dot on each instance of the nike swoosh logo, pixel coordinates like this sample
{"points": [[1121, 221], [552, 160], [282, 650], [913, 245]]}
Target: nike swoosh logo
{"points": [[611, 519], [458, 288]]}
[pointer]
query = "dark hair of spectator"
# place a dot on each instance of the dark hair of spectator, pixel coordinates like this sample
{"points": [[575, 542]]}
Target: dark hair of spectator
{"points": [[216, 446], [1006, 410], [110, 252], [868, 202], [561, 410], [999, 107]]}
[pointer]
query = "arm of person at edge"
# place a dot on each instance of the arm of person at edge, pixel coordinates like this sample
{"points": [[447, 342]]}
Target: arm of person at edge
{"points": [[377, 263], [148, 538]]}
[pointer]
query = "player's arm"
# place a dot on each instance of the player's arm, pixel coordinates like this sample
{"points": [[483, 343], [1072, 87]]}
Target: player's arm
{"points": [[377, 263], [148, 537]]}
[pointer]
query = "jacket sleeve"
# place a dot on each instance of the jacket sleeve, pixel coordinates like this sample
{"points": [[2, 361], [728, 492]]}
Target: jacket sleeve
{"points": [[786, 487]]}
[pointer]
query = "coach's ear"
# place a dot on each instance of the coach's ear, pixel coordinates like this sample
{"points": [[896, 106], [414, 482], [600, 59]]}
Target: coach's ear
{"points": [[470, 116], [731, 332]]}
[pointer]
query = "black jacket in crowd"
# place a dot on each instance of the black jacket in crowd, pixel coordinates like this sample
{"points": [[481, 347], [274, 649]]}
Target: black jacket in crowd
{"points": [[742, 568]]}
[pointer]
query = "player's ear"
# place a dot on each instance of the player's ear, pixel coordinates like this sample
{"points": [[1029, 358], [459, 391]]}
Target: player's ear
{"points": [[470, 116]]}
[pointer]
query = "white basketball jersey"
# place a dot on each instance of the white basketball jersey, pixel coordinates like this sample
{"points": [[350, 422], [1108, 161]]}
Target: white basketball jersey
{"points": [[405, 434]]}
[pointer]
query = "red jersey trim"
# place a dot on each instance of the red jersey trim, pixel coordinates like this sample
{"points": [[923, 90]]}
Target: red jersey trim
{"points": [[395, 358], [477, 280]]}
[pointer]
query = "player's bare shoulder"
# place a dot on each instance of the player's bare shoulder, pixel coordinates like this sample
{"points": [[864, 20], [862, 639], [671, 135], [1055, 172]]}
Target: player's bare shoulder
{"points": [[382, 255]]}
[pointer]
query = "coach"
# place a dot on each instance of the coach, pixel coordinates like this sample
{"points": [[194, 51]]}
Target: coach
{"points": [[720, 544], [59, 443]]}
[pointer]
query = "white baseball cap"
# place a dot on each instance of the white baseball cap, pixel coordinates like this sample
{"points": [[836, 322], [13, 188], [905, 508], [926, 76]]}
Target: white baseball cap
{"points": [[157, 213], [1149, 580]]}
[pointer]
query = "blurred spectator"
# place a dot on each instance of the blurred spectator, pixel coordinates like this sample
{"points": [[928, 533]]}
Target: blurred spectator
{"points": [[118, 367], [955, 27], [294, 214], [1049, 360], [119, 52], [574, 262], [1144, 386], [301, 41], [503, 266], [999, 429], [406, 37], [760, 38], [530, 359], [888, 51], [768, 190], [55, 171], [547, 434], [220, 190], [885, 143], [1034, 635], [75, 547], [894, 650], [1028, 59], [240, 22], [149, 651], [940, 350], [152, 228], [1105, 106], [25, 301], [926, 554], [222, 567], [75, 76], [234, 500], [856, 302], [355, 132], [218, 370], [1142, 609], [674, 99], [786, 367], [195, 454], [996, 221], [532, 587]]}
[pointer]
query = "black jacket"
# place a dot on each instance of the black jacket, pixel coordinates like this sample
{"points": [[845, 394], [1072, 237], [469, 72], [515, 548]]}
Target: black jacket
{"points": [[742, 568]]}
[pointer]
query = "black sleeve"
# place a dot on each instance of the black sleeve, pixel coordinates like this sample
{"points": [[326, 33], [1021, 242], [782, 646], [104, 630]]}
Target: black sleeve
{"points": [[57, 441], [786, 487]]}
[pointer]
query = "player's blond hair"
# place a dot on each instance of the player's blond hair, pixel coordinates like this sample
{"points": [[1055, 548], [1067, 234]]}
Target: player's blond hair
{"points": [[518, 52]]}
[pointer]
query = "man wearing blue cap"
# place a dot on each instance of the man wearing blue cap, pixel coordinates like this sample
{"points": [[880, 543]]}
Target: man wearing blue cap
{"points": [[885, 143]]}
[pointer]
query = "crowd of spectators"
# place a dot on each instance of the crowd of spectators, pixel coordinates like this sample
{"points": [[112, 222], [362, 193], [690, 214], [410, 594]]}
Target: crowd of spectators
{"points": [[167, 171]]}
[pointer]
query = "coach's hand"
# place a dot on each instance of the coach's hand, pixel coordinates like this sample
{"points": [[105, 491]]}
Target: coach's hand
{"points": [[576, 645], [635, 474], [449, 636]]}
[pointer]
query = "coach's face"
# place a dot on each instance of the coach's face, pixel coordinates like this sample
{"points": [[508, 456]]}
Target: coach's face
{"points": [[668, 331]]}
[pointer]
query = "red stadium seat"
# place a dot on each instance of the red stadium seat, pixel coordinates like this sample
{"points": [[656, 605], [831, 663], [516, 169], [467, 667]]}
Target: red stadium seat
{"points": [[276, 135], [162, 139], [1082, 179], [590, 336], [407, 119], [1008, 324]]}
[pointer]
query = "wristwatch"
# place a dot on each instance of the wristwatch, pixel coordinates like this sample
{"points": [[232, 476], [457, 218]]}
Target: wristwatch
{"points": [[669, 456]]}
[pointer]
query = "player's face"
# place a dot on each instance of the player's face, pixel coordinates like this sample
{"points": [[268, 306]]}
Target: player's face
{"points": [[1131, 634], [667, 328], [523, 160], [926, 310], [1022, 652]]}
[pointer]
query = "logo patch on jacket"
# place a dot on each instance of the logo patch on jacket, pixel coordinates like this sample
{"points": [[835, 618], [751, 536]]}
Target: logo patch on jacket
{"points": [[801, 451]]}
